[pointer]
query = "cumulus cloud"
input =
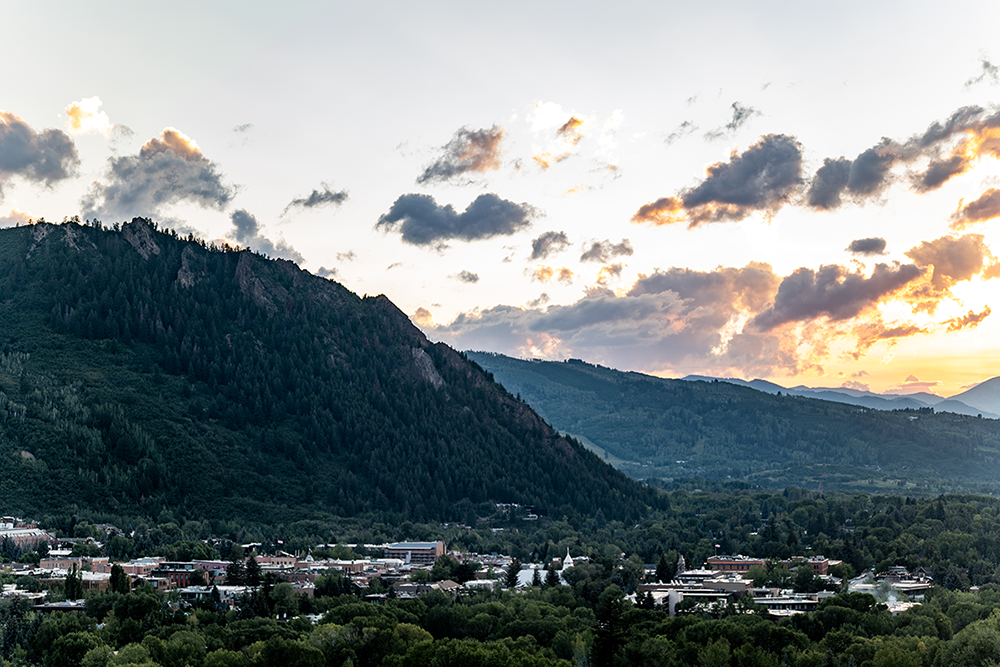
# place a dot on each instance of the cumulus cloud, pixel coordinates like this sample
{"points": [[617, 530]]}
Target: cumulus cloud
{"points": [[318, 198], [988, 72], [44, 157], [324, 272], [867, 176], [952, 259], [421, 221], [168, 169], [247, 232], [468, 152], [467, 277], [15, 218], [422, 317], [762, 178], [985, 208], [970, 319], [609, 272], [833, 292], [605, 251], [869, 246], [85, 117], [547, 244]]}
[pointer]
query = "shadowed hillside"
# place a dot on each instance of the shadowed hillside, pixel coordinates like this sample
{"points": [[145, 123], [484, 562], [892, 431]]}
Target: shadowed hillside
{"points": [[140, 372]]}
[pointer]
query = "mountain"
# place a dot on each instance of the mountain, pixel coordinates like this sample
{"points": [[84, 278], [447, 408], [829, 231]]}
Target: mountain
{"points": [[144, 374], [863, 398], [654, 427], [985, 396]]}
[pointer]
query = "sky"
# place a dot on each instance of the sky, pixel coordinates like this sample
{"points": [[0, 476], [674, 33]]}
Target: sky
{"points": [[798, 192]]}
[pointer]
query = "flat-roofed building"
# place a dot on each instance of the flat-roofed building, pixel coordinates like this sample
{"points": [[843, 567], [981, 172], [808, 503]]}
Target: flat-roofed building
{"points": [[416, 553]]}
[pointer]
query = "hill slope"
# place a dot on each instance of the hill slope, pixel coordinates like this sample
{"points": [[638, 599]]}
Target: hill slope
{"points": [[683, 428], [141, 372]]}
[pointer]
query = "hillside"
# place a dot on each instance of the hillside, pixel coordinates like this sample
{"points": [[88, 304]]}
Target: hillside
{"points": [[653, 427], [142, 374]]}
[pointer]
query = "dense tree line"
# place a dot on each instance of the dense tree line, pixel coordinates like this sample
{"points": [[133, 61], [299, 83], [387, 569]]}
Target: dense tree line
{"points": [[678, 428]]}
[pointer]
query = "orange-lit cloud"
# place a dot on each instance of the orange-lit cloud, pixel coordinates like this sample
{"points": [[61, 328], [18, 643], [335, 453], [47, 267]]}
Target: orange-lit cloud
{"points": [[172, 139], [15, 218], [544, 274], [609, 272], [949, 260], [761, 179], [423, 318], [86, 116], [565, 132], [985, 208], [468, 152], [970, 319]]}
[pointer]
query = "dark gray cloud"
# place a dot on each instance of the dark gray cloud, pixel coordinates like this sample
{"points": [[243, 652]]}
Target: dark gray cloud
{"points": [[44, 157], [421, 221], [986, 207], [318, 198], [469, 151], [988, 72], [168, 169], [547, 244], [762, 178], [467, 277], [828, 183], [605, 251], [741, 116], [832, 291], [869, 246], [247, 233]]}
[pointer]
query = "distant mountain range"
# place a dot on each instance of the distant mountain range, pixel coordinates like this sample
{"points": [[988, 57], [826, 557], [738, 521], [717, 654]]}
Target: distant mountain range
{"points": [[760, 432], [982, 400]]}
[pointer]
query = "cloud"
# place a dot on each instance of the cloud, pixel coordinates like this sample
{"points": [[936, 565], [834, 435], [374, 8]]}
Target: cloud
{"points": [[870, 172], [741, 116], [324, 272], [970, 319], [243, 128], [986, 207], [604, 251], [565, 130], [421, 221], [609, 272], [544, 274], [855, 385], [394, 265], [833, 292], [168, 169], [15, 218], [762, 178], [953, 259], [467, 277], [912, 385], [684, 129], [423, 318], [869, 246], [548, 243], [45, 157], [318, 198], [469, 151], [348, 256], [86, 117], [990, 73], [247, 234]]}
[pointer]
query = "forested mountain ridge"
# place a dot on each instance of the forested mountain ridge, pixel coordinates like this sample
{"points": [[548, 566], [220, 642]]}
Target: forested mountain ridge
{"points": [[141, 372], [655, 427]]}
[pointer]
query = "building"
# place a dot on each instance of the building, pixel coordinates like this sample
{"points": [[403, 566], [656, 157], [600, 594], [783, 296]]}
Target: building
{"points": [[416, 553], [734, 563]]}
